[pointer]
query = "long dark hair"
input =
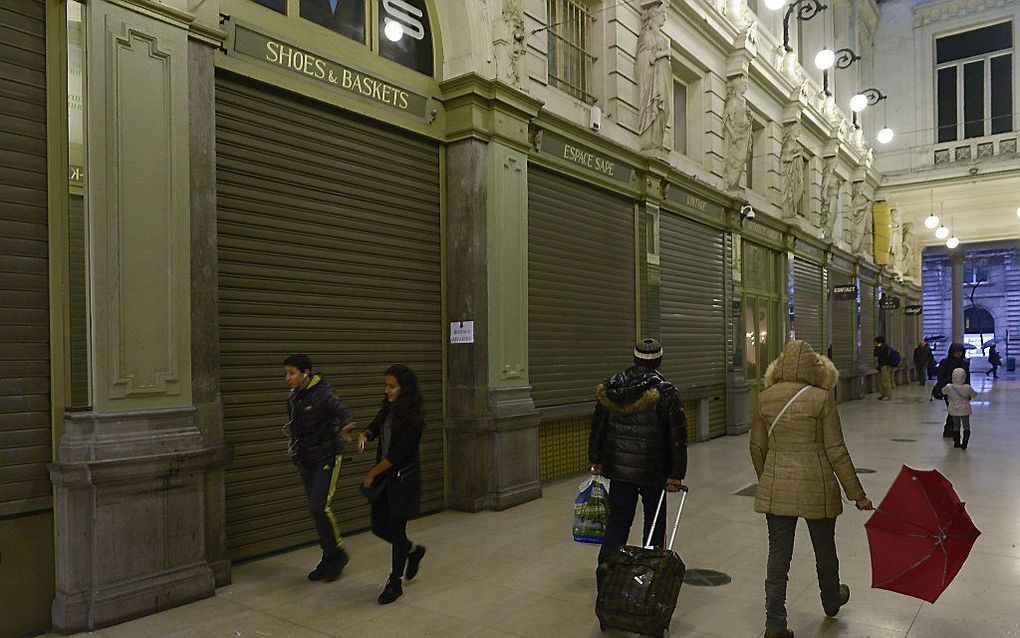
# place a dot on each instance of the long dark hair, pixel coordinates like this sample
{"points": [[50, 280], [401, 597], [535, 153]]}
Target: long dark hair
{"points": [[410, 403]]}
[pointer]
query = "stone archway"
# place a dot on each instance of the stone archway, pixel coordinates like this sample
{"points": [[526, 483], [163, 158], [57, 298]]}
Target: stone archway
{"points": [[466, 35]]}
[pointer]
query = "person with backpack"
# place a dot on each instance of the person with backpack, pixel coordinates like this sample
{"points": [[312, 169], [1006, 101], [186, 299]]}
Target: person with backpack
{"points": [[801, 460], [955, 360], [958, 396], [888, 360]]}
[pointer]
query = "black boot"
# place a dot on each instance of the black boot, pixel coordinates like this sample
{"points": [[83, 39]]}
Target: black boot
{"points": [[966, 439], [956, 440], [414, 562], [335, 566], [392, 591], [319, 571]]}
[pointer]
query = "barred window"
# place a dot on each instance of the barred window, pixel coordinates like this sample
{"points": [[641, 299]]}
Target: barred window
{"points": [[570, 58], [974, 82]]}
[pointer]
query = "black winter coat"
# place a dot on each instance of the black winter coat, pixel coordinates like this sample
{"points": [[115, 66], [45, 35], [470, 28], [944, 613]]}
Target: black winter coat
{"points": [[945, 373], [316, 416], [403, 480], [639, 429], [922, 356]]}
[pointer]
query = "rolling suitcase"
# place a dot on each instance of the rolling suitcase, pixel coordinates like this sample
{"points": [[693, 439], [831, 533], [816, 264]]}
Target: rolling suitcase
{"points": [[639, 586]]}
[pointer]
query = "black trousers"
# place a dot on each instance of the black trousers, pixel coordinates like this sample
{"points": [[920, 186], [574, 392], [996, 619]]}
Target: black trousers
{"points": [[922, 374], [392, 528], [320, 482], [782, 530], [623, 498]]}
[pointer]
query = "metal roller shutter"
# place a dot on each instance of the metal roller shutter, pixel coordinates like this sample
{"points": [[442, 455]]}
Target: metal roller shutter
{"points": [[691, 300], [717, 416], [868, 325], [329, 244], [844, 326], [580, 287], [808, 297], [25, 446]]}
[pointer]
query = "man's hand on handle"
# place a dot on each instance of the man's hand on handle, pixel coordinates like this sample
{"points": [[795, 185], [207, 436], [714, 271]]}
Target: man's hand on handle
{"points": [[596, 469], [674, 485], [864, 504]]}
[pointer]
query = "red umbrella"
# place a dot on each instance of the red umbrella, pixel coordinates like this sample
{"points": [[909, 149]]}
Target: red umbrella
{"points": [[920, 535]]}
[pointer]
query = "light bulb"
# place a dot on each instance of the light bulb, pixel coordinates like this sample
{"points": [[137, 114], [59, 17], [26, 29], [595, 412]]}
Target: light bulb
{"points": [[774, 5], [394, 30], [1018, 212], [932, 221], [825, 59], [942, 232], [885, 135], [952, 243], [858, 103]]}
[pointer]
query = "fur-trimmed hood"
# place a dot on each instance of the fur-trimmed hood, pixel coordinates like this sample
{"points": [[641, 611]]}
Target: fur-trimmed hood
{"points": [[631, 391], [799, 363]]}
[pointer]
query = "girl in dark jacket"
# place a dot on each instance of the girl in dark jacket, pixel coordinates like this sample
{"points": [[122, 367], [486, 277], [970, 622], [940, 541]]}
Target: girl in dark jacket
{"points": [[396, 478]]}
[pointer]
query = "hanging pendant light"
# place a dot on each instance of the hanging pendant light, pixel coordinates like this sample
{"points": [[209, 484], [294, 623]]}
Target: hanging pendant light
{"points": [[931, 222], [942, 232], [952, 243], [885, 135]]}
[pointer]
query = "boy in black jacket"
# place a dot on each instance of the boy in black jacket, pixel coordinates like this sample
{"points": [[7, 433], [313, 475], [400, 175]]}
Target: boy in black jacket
{"points": [[318, 420]]}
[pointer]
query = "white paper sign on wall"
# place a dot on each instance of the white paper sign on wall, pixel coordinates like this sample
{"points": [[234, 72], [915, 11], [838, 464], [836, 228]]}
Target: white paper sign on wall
{"points": [[462, 332]]}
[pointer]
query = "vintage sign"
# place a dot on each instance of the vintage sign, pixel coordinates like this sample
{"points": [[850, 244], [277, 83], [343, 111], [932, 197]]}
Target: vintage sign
{"points": [[889, 303], [561, 148], [691, 202], [912, 310], [462, 332], [320, 69], [845, 292]]}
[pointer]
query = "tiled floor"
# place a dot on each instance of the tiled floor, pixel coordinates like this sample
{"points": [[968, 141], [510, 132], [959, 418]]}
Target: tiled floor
{"points": [[518, 573]]}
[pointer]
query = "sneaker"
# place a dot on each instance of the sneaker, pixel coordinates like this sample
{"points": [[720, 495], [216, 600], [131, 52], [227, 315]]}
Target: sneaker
{"points": [[391, 592], [414, 562], [778, 633], [844, 598], [335, 566], [318, 572]]}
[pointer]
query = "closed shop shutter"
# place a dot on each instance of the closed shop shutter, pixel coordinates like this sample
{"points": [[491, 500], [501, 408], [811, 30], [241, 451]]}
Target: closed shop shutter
{"points": [[580, 287], [691, 301], [329, 244], [844, 326], [808, 297], [868, 324], [25, 447], [717, 416]]}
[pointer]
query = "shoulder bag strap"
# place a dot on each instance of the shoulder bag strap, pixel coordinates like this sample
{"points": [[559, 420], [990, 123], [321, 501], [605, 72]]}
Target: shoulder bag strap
{"points": [[786, 407]]}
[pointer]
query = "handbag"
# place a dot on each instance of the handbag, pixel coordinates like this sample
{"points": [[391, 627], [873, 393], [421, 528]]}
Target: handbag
{"points": [[375, 492]]}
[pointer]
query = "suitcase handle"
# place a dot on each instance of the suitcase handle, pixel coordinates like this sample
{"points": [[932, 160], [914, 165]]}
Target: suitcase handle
{"points": [[676, 523]]}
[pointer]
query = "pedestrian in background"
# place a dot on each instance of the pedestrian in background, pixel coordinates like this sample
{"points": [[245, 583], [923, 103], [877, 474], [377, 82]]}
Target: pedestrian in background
{"points": [[639, 442], [318, 420], [958, 395], [801, 461], [923, 358], [886, 364], [955, 360], [994, 360], [394, 482]]}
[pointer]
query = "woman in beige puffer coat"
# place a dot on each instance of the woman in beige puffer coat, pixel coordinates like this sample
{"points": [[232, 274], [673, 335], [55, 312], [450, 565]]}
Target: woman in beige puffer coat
{"points": [[800, 466]]}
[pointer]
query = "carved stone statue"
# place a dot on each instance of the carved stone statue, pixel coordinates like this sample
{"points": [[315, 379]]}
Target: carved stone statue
{"points": [[792, 158], [655, 77], [863, 243], [830, 193], [509, 43], [896, 241], [908, 254], [737, 131]]}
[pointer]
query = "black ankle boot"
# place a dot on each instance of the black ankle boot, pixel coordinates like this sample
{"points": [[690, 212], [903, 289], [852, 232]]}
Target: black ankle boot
{"points": [[392, 591], [966, 439], [414, 562]]}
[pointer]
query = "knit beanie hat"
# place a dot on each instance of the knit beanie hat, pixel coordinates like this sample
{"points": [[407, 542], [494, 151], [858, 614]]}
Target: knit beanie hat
{"points": [[648, 353]]}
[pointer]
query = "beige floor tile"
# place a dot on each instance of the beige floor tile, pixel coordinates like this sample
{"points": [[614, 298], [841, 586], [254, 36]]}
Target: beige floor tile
{"points": [[477, 601], [401, 620]]}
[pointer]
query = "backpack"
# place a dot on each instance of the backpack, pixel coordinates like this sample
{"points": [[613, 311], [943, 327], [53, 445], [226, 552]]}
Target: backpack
{"points": [[894, 357]]}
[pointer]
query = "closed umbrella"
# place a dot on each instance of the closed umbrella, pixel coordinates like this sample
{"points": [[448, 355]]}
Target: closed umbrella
{"points": [[920, 535]]}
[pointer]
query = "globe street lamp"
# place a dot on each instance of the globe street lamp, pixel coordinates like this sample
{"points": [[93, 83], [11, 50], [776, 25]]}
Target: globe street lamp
{"points": [[841, 59], [806, 9]]}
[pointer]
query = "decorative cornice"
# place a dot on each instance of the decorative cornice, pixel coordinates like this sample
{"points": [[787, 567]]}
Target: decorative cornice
{"points": [[933, 12]]}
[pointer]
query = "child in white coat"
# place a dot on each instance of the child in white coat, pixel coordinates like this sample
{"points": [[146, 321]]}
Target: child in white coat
{"points": [[960, 394]]}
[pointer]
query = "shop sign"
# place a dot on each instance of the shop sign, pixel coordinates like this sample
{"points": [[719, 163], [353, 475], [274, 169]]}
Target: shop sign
{"points": [[319, 69], [561, 148], [691, 202], [462, 332], [913, 309], [844, 292], [889, 303]]}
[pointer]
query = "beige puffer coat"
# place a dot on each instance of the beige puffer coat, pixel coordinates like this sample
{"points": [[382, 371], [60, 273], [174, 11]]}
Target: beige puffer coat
{"points": [[799, 464]]}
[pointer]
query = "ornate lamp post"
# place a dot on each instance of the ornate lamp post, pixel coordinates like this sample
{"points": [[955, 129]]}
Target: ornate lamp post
{"points": [[845, 58], [805, 10], [864, 99]]}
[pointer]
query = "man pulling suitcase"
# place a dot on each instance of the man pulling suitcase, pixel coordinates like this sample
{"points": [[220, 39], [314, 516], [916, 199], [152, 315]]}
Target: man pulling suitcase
{"points": [[639, 442]]}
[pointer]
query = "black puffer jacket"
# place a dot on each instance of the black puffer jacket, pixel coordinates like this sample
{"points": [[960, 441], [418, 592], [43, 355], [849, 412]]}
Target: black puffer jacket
{"points": [[316, 416], [946, 367], [639, 430]]}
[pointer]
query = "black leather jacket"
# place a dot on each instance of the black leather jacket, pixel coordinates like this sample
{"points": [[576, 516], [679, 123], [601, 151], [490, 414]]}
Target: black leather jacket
{"points": [[316, 416], [639, 429]]}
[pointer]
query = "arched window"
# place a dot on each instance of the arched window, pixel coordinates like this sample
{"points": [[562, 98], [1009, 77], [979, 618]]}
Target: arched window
{"points": [[979, 329]]}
